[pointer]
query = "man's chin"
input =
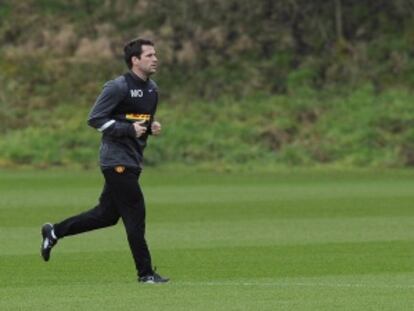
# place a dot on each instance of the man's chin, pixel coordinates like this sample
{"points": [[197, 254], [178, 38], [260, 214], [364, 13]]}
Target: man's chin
{"points": [[151, 71]]}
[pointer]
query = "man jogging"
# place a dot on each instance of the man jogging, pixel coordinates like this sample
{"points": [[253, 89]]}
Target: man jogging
{"points": [[124, 114]]}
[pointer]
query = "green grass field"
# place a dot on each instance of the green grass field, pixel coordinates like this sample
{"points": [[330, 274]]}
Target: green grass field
{"points": [[289, 240]]}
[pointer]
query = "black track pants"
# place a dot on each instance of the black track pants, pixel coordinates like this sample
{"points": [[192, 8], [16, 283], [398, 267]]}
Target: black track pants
{"points": [[121, 197]]}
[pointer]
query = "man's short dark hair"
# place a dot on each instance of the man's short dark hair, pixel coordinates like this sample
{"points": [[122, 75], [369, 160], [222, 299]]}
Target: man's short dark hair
{"points": [[134, 48]]}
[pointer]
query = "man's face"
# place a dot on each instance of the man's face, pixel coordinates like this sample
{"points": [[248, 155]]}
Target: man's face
{"points": [[148, 61]]}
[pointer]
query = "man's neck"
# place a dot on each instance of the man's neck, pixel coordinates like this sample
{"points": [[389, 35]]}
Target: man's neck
{"points": [[140, 74]]}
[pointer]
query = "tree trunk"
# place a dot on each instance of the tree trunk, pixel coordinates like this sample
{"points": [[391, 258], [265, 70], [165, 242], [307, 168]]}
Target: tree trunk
{"points": [[338, 21]]}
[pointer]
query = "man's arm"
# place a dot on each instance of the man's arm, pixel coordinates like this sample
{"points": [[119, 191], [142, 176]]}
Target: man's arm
{"points": [[155, 127], [100, 115]]}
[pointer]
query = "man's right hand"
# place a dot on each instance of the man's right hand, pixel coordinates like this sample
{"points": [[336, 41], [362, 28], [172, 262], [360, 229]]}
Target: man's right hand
{"points": [[139, 127]]}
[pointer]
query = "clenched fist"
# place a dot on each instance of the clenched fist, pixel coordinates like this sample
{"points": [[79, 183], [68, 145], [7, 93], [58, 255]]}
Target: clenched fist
{"points": [[140, 128], [156, 128]]}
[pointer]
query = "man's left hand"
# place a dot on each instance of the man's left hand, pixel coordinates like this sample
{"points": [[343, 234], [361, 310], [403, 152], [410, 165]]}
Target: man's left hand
{"points": [[156, 128]]}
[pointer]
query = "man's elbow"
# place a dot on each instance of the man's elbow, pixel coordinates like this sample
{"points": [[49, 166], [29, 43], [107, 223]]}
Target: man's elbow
{"points": [[92, 123]]}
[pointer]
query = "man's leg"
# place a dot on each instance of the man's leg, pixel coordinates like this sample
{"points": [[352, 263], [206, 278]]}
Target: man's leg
{"points": [[103, 215], [127, 197]]}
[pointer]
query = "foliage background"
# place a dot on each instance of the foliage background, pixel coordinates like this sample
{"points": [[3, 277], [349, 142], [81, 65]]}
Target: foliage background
{"points": [[263, 83]]}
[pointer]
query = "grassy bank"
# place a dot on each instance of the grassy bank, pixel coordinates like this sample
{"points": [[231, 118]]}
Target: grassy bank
{"points": [[304, 127], [276, 83]]}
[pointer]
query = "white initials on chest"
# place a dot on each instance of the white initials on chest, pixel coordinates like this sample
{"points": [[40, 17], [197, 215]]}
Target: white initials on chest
{"points": [[137, 93]]}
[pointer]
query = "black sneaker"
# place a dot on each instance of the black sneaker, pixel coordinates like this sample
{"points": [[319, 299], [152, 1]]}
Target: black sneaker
{"points": [[154, 278], [48, 241]]}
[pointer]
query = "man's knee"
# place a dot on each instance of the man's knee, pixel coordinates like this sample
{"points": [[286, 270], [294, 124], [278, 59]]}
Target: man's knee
{"points": [[113, 221]]}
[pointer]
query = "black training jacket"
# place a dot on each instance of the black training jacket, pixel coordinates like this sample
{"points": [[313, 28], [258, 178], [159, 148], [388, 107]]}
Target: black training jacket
{"points": [[123, 101]]}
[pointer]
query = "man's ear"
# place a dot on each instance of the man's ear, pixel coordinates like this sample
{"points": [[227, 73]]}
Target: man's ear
{"points": [[134, 59]]}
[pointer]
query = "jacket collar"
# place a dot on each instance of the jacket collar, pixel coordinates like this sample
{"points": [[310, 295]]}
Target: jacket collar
{"points": [[136, 78]]}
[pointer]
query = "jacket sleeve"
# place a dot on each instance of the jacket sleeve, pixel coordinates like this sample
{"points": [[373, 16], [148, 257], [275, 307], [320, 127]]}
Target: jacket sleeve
{"points": [[155, 86], [100, 114]]}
